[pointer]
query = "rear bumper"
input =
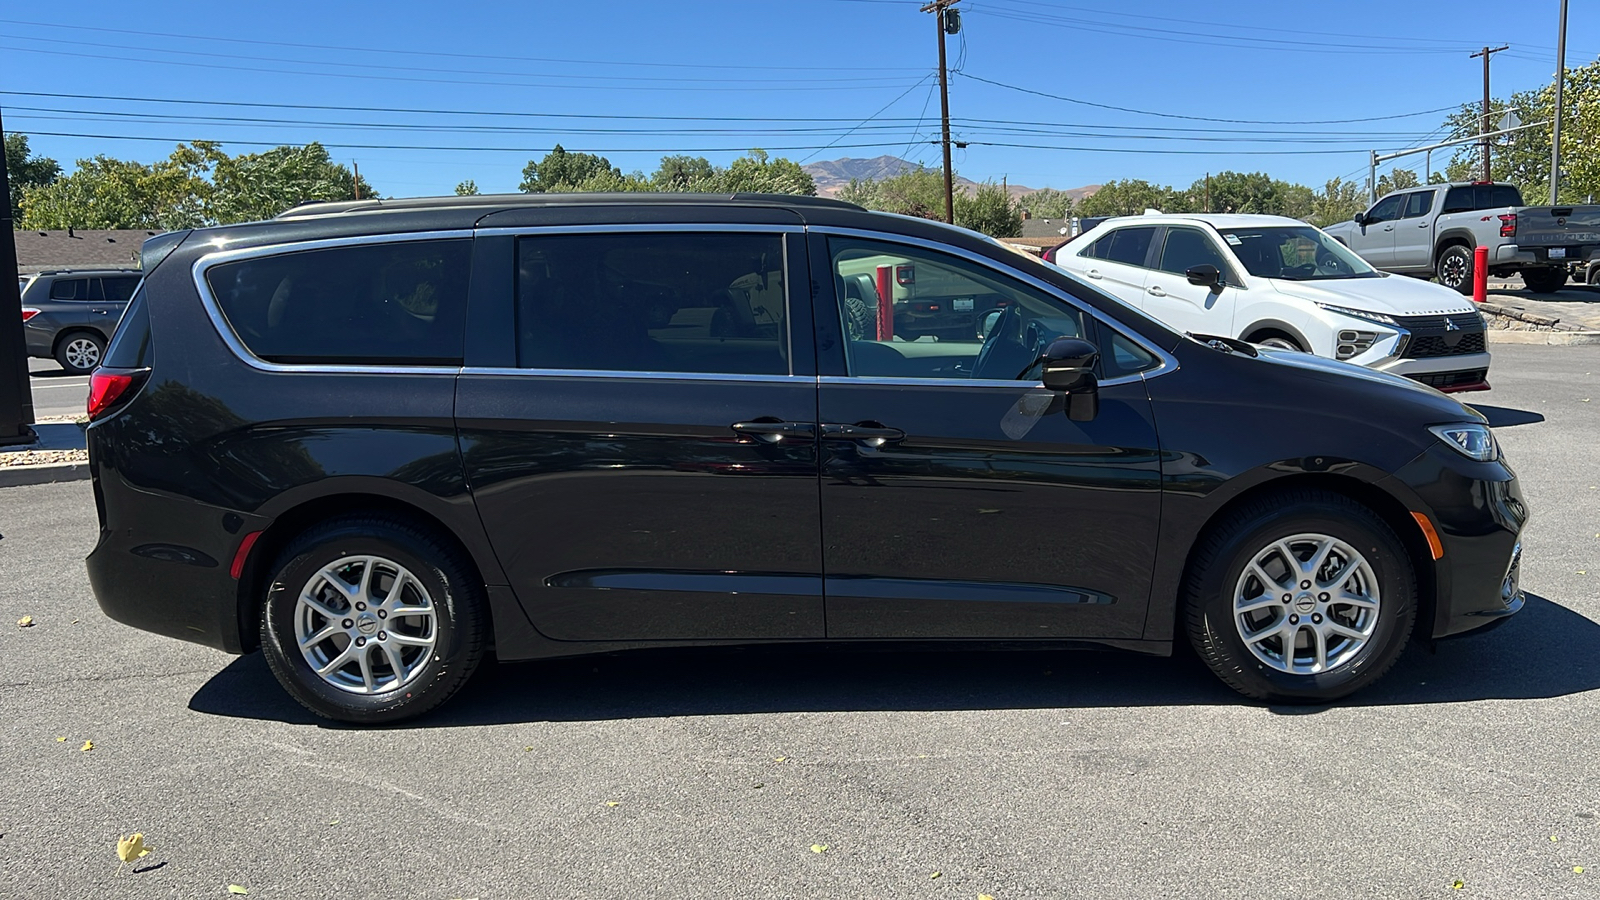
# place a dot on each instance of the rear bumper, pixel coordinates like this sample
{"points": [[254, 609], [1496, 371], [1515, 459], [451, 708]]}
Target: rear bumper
{"points": [[1479, 513]]}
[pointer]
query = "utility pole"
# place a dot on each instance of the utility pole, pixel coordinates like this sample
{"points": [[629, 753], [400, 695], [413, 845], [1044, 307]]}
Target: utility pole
{"points": [[16, 395], [357, 167], [1208, 192], [1483, 127], [1555, 123], [946, 23]]}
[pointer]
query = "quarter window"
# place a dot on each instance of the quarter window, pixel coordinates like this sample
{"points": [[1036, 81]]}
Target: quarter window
{"points": [[397, 303], [640, 302]]}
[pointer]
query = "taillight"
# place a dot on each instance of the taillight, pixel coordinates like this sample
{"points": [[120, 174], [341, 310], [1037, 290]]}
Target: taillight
{"points": [[905, 274], [1508, 225], [28, 312], [108, 388]]}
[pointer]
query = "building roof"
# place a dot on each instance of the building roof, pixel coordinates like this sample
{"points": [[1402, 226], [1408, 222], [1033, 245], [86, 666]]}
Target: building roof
{"points": [[1036, 227], [43, 251]]}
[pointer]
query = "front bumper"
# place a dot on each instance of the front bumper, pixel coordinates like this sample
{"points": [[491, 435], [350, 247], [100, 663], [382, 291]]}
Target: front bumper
{"points": [[1479, 513]]}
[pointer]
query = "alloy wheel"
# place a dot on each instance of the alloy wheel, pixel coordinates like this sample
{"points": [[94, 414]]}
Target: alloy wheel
{"points": [[82, 353], [365, 624], [1306, 604]]}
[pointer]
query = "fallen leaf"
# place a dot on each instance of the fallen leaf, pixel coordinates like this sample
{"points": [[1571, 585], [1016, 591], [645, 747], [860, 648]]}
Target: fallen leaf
{"points": [[985, 897], [132, 847], [935, 875], [1553, 839], [613, 803], [334, 822], [87, 746], [759, 785], [61, 740], [25, 622], [819, 848], [1583, 571], [779, 758], [530, 749], [1578, 869], [1457, 885], [236, 889]]}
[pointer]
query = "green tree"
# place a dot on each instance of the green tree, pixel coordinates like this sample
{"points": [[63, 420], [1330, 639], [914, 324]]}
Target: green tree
{"points": [[755, 173], [468, 188], [1130, 198], [25, 170], [113, 193], [1397, 180], [561, 171], [989, 210], [258, 186], [682, 174], [1047, 203], [915, 192], [1337, 201]]}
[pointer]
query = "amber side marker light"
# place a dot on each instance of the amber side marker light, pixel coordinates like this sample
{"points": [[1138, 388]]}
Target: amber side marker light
{"points": [[1434, 546]]}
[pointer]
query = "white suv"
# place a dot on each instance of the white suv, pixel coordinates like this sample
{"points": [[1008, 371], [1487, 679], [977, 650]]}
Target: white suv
{"points": [[1281, 283]]}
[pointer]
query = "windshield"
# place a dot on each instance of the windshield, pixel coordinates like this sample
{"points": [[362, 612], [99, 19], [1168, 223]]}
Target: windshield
{"points": [[1296, 253]]}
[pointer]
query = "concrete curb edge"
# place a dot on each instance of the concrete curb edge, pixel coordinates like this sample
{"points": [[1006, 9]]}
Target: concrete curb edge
{"points": [[17, 476], [1551, 338]]}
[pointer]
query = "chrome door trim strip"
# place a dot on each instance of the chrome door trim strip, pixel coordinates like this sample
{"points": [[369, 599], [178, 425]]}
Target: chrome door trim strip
{"points": [[639, 375], [213, 309], [637, 227]]}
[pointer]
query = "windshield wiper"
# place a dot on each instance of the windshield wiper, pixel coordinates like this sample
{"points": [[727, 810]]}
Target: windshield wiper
{"points": [[1225, 344]]}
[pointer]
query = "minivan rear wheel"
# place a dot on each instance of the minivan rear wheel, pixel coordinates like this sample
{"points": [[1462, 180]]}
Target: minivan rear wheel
{"points": [[80, 352], [372, 619], [1301, 597]]}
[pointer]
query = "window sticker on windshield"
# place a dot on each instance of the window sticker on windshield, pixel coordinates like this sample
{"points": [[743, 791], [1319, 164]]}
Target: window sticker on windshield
{"points": [[1233, 239]]}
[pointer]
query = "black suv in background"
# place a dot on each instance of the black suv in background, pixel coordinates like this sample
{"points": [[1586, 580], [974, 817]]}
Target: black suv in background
{"points": [[69, 316], [378, 438]]}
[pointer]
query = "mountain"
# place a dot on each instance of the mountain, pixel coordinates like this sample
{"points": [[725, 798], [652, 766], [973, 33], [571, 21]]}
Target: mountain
{"points": [[831, 177]]}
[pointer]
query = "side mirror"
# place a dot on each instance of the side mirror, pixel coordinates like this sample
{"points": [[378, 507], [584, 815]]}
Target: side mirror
{"points": [[989, 320], [1359, 218], [1069, 368], [1204, 275]]}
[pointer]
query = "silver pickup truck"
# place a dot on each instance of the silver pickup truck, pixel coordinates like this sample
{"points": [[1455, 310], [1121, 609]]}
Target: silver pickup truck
{"points": [[1432, 230]]}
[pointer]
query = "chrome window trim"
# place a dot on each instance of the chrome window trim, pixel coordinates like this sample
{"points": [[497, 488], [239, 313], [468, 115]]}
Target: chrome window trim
{"points": [[909, 381], [1168, 363], [639, 375], [208, 301], [637, 227]]}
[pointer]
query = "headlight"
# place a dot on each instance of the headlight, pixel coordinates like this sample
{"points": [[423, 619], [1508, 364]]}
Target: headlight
{"points": [[1358, 313], [1470, 439]]}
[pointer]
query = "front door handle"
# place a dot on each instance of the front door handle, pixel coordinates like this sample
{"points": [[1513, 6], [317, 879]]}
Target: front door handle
{"points": [[872, 435], [1093, 273], [1157, 290], [772, 430], [1388, 228]]}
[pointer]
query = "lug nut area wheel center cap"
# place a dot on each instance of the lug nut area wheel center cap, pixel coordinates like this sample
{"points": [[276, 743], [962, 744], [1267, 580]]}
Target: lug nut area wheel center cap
{"points": [[367, 624], [1304, 603]]}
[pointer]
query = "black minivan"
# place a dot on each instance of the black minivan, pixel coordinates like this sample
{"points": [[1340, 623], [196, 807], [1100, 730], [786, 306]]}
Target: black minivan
{"points": [[379, 439]]}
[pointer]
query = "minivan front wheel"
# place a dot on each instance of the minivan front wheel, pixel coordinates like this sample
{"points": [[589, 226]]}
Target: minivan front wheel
{"points": [[370, 619], [1303, 597]]}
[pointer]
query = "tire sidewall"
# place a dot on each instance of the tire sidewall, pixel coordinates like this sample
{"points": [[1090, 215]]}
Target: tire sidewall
{"points": [[1396, 614], [1465, 287], [61, 351], [279, 643]]}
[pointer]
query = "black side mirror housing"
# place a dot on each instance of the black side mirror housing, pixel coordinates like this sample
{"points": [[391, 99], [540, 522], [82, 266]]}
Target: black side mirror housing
{"points": [[1069, 365], [1205, 275], [1359, 218]]}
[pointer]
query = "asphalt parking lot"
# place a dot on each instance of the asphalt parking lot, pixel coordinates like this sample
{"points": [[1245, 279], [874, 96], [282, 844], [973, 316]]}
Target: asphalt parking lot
{"points": [[695, 773], [55, 393]]}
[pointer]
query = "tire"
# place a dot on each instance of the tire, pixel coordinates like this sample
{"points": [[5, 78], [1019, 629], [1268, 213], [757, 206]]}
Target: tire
{"points": [[405, 664], [1280, 342], [1455, 269], [1593, 275], [860, 320], [80, 352], [1544, 281], [1222, 578]]}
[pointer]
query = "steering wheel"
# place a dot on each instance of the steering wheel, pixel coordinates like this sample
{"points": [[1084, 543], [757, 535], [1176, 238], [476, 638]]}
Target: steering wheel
{"points": [[1306, 270], [995, 361]]}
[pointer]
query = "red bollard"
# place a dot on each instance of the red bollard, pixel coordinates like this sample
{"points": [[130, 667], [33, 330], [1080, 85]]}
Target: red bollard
{"points": [[885, 285], [1480, 274]]}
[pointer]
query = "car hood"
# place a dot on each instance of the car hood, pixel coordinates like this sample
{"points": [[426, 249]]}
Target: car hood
{"points": [[1443, 407], [1391, 295]]}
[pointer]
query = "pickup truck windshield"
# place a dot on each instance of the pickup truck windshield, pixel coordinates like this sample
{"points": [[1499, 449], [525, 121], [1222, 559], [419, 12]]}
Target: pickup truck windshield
{"points": [[1295, 253]]}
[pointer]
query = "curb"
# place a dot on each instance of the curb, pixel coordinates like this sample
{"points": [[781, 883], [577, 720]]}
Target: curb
{"points": [[1550, 338], [17, 476]]}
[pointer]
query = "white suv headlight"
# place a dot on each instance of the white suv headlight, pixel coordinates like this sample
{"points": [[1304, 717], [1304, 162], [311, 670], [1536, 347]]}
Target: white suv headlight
{"points": [[1470, 439], [1358, 313]]}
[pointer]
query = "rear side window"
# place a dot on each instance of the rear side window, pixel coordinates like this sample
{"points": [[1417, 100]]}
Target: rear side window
{"points": [[119, 289], [641, 302], [398, 303], [1125, 245], [69, 289]]}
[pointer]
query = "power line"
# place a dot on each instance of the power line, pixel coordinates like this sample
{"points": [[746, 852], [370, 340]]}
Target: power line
{"points": [[1146, 112], [342, 146], [853, 129]]}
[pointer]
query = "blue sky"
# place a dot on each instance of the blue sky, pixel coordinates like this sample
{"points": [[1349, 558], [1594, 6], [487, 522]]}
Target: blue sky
{"points": [[634, 80]]}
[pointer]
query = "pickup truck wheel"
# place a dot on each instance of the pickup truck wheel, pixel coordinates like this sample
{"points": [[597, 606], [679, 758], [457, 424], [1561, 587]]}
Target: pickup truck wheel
{"points": [[1455, 269], [1544, 281]]}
